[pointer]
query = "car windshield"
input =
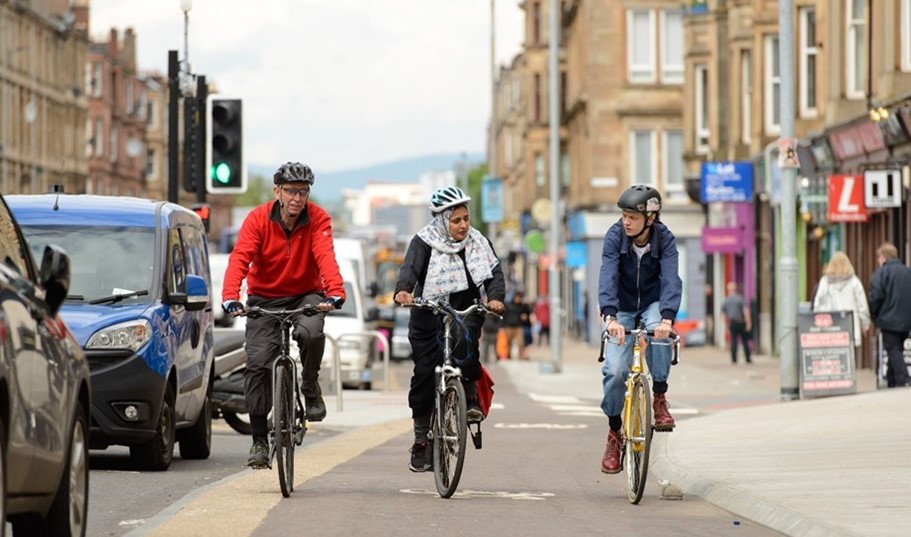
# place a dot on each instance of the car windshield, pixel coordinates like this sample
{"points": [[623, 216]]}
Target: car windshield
{"points": [[105, 261]]}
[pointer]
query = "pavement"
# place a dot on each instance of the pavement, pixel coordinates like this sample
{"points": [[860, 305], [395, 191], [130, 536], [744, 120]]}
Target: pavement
{"points": [[837, 465]]}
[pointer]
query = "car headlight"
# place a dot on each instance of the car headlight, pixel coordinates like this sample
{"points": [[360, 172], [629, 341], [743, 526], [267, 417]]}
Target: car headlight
{"points": [[130, 335]]}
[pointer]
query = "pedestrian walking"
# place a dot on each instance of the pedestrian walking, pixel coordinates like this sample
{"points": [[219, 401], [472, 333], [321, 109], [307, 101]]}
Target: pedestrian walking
{"points": [[890, 307], [840, 289], [515, 318], [737, 317], [542, 319]]}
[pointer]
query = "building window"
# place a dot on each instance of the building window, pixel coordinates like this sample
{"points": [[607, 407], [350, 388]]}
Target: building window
{"points": [[113, 153], [129, 98], [702, 108], [537, 103], [640, 43], [855, 50], [539, 169], [97, 86], [746, 96], [642, 157], [671, 36], [672, 160], [99, 138], [564, 169], [772, 94], [151, 169], [536, 23], [152, 114], [807, 79], [905, 29]]}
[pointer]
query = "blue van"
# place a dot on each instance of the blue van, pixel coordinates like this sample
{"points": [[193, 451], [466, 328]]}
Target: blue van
{"points": [[138, 303]]}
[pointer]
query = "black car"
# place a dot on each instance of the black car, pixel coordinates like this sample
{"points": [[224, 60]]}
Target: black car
{"points": [[45, 394]]}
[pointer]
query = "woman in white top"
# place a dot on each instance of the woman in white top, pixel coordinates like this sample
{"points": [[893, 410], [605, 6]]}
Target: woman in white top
{"points": [[841, 290]]}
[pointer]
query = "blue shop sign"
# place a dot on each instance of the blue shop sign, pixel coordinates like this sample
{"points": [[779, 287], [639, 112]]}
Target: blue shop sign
{"points": [[727, 181], [492, 200]]}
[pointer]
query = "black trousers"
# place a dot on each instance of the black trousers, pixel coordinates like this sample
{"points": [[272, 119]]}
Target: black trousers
{"points": [[427, 353], [894, 345], [739, 331]]}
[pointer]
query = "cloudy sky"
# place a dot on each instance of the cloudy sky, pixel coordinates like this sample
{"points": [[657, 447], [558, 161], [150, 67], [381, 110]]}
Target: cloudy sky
{"points": [[336, 83]]}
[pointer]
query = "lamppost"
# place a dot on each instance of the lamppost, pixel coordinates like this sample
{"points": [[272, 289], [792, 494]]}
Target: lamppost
{"points": [[186, 6]]}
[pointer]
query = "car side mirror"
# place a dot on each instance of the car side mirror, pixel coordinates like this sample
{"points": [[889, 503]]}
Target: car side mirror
{"points": [[195, 296], [55, 276]]}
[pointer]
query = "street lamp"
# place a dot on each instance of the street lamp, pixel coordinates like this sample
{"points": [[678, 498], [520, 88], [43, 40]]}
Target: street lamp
{"points": [[186, 6]]}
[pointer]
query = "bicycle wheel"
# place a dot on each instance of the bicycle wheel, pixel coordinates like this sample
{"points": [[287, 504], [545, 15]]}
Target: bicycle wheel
{"points": [[450, 429], [639, 438], [283, 425]]}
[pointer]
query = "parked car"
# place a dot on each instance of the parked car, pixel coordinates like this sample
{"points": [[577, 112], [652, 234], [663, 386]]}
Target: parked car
{"points": [[218, 263], [45, 394], [401, 345], [139, 305], [356, 354]]}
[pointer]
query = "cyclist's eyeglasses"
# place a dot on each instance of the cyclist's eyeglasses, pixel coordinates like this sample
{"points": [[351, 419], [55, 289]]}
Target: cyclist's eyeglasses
{"points": [[302, 192]]}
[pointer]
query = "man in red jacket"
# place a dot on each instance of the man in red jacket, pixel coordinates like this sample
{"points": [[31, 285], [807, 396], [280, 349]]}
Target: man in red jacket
{"points": [[285, 251]]}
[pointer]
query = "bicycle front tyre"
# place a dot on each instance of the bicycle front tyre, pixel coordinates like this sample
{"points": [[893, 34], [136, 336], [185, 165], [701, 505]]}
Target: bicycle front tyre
{"points": [[283, 423], [449, 436], [639, 438]]}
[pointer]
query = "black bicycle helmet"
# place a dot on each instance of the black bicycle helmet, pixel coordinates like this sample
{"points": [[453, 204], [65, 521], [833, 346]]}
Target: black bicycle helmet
{"points": [[446, 197], [640, 198], [293, 172]]}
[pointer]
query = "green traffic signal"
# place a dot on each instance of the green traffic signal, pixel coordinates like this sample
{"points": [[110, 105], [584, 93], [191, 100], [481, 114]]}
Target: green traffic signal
{"points": [[222, 173]]}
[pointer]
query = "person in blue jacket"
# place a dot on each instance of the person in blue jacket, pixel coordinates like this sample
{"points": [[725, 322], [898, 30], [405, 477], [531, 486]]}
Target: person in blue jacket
{"points": [[639, 280]]}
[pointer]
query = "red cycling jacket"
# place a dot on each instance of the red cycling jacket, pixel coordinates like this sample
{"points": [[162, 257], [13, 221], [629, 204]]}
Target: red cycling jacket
{"points": [[278, 263]]}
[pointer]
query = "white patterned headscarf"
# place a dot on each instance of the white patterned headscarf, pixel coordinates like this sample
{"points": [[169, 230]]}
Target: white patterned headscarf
{"points": [[445, 271]]}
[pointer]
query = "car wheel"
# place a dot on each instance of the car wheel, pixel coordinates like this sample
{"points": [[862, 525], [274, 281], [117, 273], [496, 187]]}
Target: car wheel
{"points": [[238, 422], [69, 512], [2, 479], [196, 441], [156, 454]]}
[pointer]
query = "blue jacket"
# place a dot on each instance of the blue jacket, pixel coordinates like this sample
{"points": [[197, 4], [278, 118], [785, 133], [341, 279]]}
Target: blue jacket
{"points": [[630, 285]]}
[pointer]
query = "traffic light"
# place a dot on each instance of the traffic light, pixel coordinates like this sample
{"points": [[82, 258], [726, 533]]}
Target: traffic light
{"points": [[193, 140], [226, 171]]}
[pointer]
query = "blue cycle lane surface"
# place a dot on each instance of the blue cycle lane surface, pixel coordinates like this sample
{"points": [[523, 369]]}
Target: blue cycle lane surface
{"points": [[766, 464]]}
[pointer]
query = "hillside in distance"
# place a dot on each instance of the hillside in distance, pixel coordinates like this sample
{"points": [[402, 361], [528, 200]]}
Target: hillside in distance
{"points": [[329, 184]]}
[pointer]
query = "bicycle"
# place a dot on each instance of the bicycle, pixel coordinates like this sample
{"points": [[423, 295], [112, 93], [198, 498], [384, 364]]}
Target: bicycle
{"points": [[638, 423], [289, 420], [449, 423]]}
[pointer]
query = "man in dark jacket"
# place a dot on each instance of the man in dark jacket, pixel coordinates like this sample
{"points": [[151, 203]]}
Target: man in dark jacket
{"points": [[890, 307], [639, 280]]}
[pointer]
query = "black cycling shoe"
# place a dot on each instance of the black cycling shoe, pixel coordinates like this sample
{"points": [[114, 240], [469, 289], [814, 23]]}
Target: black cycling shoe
{"points": [[316, 408], [421, 456], [259, 454]]}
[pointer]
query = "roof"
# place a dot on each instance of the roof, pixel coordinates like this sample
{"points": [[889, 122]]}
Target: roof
{"points": [[75, 209]]}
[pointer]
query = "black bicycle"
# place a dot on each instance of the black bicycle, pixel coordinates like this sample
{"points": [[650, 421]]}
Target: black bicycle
{"points": [[289, 420], [449, 422]]}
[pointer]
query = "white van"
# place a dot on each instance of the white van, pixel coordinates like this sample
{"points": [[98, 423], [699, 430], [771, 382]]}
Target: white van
{"points": [[356, 353], [356, 252]]}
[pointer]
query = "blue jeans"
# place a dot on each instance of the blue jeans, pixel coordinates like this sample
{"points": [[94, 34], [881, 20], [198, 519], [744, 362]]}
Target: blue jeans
{"points": [[619, 359]]}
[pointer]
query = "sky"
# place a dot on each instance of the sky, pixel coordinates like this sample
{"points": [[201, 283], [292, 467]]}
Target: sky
{"points": [[338, 84]]}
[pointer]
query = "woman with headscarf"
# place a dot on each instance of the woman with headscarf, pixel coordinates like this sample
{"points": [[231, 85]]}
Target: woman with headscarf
{"points": [[446, 260]]}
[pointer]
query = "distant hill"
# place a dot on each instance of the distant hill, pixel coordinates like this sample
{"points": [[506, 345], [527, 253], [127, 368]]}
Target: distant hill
{"points": [[329, 184]]}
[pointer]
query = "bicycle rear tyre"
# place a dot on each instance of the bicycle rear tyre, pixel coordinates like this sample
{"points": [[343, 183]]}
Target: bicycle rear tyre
{"points": [[283, 421], [639, 439], [450, 432]]}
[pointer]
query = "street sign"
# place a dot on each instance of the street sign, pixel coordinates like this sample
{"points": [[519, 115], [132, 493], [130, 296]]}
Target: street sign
{"points": [[727, 181], [846, 199], [492, 200], [882, 188]]}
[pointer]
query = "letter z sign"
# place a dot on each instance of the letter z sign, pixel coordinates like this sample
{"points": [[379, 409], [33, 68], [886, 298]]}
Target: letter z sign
{"points": [[846, 199]]}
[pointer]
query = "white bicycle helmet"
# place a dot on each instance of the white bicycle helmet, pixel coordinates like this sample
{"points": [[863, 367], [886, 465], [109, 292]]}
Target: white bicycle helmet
{"points": [[446, 197]]}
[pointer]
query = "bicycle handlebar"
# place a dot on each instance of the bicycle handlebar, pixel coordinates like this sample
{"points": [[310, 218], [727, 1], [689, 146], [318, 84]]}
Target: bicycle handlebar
{"points": [[441, 306], [255, 311], [641, 332]]}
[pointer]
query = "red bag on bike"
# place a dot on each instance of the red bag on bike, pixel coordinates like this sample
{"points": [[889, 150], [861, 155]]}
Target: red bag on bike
{"points": [[485, 391]]}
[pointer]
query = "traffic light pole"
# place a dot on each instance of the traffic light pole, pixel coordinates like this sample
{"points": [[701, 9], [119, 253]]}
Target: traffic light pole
{"points": [[173, 99], [202, 93]]}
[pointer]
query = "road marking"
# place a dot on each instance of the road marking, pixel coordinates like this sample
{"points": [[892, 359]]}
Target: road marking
{"points": [[559, 426], [555, 399], [238, 504], [574, 408], [536, 496]]}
